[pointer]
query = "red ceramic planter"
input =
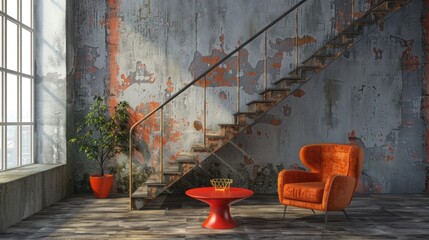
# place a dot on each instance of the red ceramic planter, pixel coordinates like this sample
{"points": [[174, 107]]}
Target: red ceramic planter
{"points": [[101, 185]]}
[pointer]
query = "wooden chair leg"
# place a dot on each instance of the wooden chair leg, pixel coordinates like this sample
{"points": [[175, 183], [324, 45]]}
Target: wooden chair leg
{"points": [[284, 212]]}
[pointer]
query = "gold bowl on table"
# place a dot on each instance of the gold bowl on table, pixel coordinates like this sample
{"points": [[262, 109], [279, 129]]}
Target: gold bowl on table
{"points": [[221, 184]]}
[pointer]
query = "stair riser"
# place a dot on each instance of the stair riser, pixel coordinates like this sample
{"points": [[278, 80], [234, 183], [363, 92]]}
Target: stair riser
{"points": [[289, 83], [185, 167], [168, 178], [276, 96], [153, 190], [244, 119], [230, 132], [305, 72], [260, 107], [320, 62], [200, 150], [215, 143]]}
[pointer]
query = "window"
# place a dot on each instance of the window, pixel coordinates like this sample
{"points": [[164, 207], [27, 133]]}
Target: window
{"points": [[16, 83]]}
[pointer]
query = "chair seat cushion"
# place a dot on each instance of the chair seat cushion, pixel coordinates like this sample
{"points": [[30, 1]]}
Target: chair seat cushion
{"points": [[304, 191]]}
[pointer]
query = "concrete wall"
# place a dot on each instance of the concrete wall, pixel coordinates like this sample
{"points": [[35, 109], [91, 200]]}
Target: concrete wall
{"points": [[145, 51], [27, 190]]}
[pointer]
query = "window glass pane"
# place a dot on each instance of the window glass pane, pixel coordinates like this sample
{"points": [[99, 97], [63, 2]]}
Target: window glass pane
{"points": [[12, 98], [1, 98], [12, 46], [26, 52], [26, 145], [1, 148], [26, 99], [1, 5], [12, 146], [26, 12], [12, 8], [1, 41]]}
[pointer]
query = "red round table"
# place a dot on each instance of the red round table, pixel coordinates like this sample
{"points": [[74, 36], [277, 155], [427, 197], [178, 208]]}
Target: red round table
{"points": [[219, 201]]}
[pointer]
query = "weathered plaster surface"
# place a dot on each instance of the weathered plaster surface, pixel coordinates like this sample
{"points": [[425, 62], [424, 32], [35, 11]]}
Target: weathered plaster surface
{"points": [[145, 51]]}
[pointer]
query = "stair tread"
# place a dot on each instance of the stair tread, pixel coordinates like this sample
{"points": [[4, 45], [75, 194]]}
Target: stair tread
{"points": [[274, 90], [189, 161], [348, 33], [319, 55], [246, 113], [154, 182], [200, 147], [173, 172], [260, 101], [141, 195], [215, 135], [290, 79], [230, 124], [185, 156], [141, 192], [303, 67]]}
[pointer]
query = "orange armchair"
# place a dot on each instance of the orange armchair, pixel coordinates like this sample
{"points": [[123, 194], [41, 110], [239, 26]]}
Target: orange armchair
{"points": [[331, 182]]}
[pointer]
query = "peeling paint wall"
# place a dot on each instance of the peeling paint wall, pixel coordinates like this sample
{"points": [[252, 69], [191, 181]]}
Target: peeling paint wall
{"points": [[145, 51]]}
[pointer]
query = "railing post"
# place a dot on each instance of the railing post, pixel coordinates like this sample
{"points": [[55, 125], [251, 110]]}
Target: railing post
{"points": [[238, 81], [296, 40], [205, 111], [265, 61], [161, 148], [130, 156]]}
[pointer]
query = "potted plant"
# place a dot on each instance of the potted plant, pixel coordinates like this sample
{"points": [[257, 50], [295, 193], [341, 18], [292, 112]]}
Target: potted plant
{"points": [[100, 138]]}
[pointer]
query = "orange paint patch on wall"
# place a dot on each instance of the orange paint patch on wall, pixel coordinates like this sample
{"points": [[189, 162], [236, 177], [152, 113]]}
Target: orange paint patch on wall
{"points": [[126, 82], [252, 74], [298, 93], [305, 40], [409, 62], [198, 125], [144, 130], [210, 60], [222, 41], [276, 122], [276, 65], [169, 85], [114, 23], [174, 135]]}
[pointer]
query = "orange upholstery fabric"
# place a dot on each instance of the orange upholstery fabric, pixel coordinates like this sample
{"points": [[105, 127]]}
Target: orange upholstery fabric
{"points": [[307, 191], [332, 180]]}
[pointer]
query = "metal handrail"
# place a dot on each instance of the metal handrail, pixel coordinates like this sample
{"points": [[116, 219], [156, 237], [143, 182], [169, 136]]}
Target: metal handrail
{"points": [[199, 78]]}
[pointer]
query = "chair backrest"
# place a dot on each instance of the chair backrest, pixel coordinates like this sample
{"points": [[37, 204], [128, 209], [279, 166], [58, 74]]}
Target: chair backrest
{"points": [[333, 159]]}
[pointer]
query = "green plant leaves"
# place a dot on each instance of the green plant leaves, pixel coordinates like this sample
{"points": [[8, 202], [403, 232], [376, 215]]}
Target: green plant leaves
{"points": [[101, 136]]}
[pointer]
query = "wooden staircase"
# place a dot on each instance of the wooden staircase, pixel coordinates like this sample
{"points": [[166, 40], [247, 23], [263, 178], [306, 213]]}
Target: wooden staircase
{"points": [[284, 87]]}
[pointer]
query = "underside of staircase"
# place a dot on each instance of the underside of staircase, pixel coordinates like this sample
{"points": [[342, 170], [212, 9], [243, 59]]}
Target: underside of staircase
{"points": [[173, 171]]}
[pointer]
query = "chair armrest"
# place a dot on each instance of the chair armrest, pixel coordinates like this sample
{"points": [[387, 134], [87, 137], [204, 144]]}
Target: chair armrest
{"points": [[338, 192], [294, 176]]}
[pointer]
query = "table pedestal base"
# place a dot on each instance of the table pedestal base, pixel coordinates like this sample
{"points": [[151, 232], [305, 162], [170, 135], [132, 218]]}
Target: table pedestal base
{"points": [[219, 217]]}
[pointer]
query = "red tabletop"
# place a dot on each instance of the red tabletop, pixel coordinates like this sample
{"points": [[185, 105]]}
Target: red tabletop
{"points": [[210, 193], [219, 201]]}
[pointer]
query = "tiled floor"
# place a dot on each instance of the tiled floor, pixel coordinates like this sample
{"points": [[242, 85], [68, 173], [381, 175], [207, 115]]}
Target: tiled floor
{"points": [[259, 217]]}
